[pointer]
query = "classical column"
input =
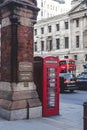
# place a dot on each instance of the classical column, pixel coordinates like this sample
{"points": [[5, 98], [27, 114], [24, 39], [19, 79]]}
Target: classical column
{"points": [[18, 96]]}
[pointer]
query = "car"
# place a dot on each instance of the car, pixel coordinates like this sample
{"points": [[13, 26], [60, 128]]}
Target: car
{"points": [[82, 81], [67, 82]]}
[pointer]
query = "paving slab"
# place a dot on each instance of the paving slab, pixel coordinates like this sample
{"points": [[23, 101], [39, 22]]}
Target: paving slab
{"points": [[70, 118]]}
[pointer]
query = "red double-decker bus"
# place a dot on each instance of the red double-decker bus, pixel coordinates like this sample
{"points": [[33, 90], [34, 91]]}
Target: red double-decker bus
{"points": [[67, 74], [67, 65]]}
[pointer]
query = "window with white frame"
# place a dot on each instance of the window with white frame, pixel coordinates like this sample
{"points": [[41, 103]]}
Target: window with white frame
{"points": [[35, 46], [49, 28], [57, 43], [75, 57], [66, 25], [85, 57], [35, 31], [50, 45], [77, 41], [42, 30], [42, 45], [66, 42], [77, 22], [57, 27]]}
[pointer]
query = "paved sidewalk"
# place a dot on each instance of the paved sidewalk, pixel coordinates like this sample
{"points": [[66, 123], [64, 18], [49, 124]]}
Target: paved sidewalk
{"points": [[70, 118]]}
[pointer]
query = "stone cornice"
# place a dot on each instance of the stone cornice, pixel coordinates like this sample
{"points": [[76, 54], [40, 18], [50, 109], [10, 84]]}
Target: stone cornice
{"points": [[28, 5], [79, 11]]}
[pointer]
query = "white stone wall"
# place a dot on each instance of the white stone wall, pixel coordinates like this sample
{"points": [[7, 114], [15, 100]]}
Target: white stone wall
{"points": [[82, 50], [72, 32], [54, 34]]}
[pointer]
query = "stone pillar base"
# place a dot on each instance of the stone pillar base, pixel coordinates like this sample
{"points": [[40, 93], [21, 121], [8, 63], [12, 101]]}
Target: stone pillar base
{"points": [[13, 114], [19, 101], [20, 114], [35, 112]]}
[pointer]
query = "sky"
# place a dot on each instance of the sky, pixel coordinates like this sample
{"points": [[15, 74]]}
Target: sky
{"points": [[68, 2]]}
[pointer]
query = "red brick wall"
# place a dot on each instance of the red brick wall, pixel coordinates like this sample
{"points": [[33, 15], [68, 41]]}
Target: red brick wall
{"points": [[24, 52], [6, 53], [25, 47], [25, 43]]}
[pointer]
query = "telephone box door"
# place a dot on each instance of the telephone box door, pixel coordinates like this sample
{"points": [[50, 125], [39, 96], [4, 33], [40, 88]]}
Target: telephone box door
{"points": [[50, 86]]}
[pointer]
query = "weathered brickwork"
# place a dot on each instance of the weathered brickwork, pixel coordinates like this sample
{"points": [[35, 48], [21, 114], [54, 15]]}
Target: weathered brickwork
{"points": [[6, 54], [25, 46]]}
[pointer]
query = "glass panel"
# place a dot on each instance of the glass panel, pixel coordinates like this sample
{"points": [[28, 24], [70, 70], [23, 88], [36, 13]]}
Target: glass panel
{"points": [[51, 81], [51, 99], [51, 69], [51, 85]]}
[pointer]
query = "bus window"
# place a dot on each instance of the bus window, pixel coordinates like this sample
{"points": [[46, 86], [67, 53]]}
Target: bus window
{"points": [[62, 62]]}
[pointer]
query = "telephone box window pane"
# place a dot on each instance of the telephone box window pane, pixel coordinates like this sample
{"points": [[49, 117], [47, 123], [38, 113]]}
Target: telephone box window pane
{"points": [[51, 81], [51, 70], [51, 100], [51, 84], [51, 75]]}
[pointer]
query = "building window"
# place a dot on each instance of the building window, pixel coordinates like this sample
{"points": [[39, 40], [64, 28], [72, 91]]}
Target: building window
{"points": [[41, 13], [35, 31], [35, 46], [42, 45], [57, 27], [51, 7], [49, 29], [48, 6], [66, 25], [42, 30], [75, 57], [58, 43], [85, 57], [77, 22], [66, 42], [66, 57], [50, 45], [77, 41]]}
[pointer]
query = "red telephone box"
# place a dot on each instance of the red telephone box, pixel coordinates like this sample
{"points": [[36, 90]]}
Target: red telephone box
{"points": [[46, 77]]}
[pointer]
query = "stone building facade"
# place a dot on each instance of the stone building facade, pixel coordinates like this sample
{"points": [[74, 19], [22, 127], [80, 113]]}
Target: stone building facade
{"points": [[64, 35]]}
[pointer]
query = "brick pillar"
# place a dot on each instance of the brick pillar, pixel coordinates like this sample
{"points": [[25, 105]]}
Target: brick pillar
{"points": [[18, 95]]}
